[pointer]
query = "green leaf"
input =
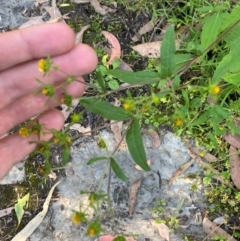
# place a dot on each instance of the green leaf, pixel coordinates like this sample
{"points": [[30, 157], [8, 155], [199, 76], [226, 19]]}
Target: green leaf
{"points": [[220, 111], [113, 84], [186, 98], [65, 154], [140, 77], [232, 78], [223, 67], [117, 170], [168, 53], [105, 109], [95, 159], [232, 18], [232, 35], [100, 79], [135, 145], [213, 139], [211, 29], [181, 60], [201, 119], [21, 202]]}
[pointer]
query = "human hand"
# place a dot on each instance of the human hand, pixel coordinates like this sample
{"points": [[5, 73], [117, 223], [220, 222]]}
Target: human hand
{"points": [[19, 56]]}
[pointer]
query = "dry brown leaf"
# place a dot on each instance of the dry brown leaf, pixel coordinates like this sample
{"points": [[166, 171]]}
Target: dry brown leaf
{"points": [[81, 129], [116, 47], [81, 1], [133, 196], [209, 157], [79, 35], [144, 29], [6, 211], [41, 1], [111, 238], [235, 166], [179, 172], [53, 175], [67, 111], [233, 140], [139, 168], [212, 230], [154, 135], [103, 10], [123, 65], [151, 50], [162, 229]]}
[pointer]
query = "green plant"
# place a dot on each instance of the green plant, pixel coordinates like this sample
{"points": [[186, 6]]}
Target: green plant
{"points": [[204, 106]]}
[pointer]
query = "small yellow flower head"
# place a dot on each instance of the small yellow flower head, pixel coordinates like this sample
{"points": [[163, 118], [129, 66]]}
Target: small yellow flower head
{"points": [[45, 91], [67, 100], [78, 218], [44, 65], [68, 139], [76, 118], [41, 65], [128, 105], [24, 132], [214, 90], [178, 122], [202, 154], [93, 229], [55, 140], [48, 90]]}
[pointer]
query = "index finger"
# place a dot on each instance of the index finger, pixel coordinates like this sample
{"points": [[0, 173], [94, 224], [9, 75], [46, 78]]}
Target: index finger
{"points": [[35, 42]]}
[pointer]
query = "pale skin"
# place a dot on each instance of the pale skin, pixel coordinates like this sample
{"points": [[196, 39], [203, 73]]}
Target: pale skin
{"points": [[19, 55]]}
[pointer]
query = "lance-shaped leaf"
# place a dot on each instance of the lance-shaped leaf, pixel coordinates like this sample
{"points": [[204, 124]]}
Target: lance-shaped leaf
{"points": [[231, 18], [135, 145], [95, 159], [140, 77], [168, 53], [117, 170], [211, 29], [105, 109]]}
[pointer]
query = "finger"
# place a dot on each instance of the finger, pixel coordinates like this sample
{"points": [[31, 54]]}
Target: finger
{"points": [[21, 80], [31, 105], [22, 147], [35, 42]]}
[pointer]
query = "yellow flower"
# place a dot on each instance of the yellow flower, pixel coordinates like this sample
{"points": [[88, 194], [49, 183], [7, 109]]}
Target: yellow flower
{"points": [[178, 122], [93, 229], [76, 218], [127, 106], [24, 132], [215, 90], [44, 65], [45, 91], [91, 232], [55, 140], [41, 65], [68, 139]]}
